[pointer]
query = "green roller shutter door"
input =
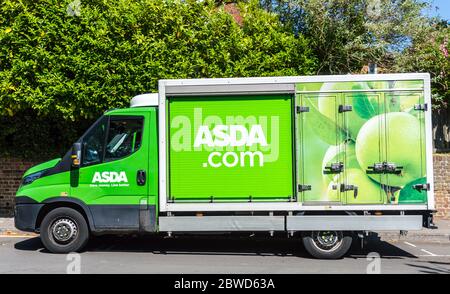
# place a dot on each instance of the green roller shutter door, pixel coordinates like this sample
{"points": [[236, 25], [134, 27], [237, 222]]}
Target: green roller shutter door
{"points": [[231, 148]]}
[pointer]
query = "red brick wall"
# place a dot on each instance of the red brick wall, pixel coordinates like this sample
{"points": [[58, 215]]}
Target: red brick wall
{"points": [[442, 184], [12, 169]]}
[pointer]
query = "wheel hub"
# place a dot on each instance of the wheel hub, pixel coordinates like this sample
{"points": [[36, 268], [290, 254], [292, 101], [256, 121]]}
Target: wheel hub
{"points": [[327, 240], [64, 230]]}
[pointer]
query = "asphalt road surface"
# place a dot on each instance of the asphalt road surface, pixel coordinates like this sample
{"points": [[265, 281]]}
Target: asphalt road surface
{"points": [[220, 255]]}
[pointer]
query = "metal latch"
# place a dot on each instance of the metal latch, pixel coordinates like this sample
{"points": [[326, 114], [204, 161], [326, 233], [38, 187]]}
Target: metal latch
{"points": [[334, 168], [422, 187], [302, 109], [302, 188], [421, 107], [345, 108], [376, 168], [345, 188], [384, 168], [392, 168]]}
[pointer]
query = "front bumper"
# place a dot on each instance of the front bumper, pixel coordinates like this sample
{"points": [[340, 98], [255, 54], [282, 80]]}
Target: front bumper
{"points": [[26, 212]]}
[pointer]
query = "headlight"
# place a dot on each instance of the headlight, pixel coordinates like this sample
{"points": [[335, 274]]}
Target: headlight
{"points": [[32, 177]]}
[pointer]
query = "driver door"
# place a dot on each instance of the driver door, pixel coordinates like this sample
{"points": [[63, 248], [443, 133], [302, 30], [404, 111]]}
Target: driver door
{"points": [[112, 175]]}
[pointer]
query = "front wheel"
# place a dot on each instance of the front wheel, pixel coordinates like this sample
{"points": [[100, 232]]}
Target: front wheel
{"points": [[64, 230], [327, 244]]}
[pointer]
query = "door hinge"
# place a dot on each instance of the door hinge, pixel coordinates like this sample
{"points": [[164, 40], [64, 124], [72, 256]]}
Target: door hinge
{"points": [[302, 188], [345, 108], [421, 107], [302, 109], [422, 187]]}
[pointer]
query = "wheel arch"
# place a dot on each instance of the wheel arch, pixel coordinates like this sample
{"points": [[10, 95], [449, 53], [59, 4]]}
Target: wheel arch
{"points": [[56, 202]]}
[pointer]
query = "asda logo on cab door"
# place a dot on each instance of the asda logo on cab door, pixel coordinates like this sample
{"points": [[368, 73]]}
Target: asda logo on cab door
{"points": [[109, 179]]}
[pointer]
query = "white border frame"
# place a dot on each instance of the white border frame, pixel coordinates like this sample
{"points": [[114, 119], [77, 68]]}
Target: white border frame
{"points": [[429, 142], [164, 206]]}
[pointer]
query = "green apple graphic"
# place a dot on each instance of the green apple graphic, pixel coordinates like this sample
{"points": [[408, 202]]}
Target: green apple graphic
{"points": [[344, 152], [333, 190], [407, 101], [365, 104], [410, 195], [329, 106], [409, 84], [399, 136], [368, 190]]}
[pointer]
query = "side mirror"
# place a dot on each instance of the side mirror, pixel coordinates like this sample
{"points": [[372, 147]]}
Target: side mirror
{"points": [[76, 154]]}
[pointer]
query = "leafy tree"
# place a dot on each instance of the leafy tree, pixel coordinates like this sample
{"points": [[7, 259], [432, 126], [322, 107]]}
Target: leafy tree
{"points": [[430, 53], [64, 62], [348, 34]]}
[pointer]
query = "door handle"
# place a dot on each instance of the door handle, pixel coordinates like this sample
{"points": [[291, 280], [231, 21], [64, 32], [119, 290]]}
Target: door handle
{"points": [[334, 168], [345, 188], [384, 168], [141, 177]]}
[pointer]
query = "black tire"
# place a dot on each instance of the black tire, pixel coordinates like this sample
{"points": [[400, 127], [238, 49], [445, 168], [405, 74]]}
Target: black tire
{"points": [[61, 223], [336, 248]]}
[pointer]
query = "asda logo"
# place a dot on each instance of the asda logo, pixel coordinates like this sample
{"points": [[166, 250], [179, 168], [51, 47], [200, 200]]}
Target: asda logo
{"points": [[233, 136], [108, 179], [227, 141]]}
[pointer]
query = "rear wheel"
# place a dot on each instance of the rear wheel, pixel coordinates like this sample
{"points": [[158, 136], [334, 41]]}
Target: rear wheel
{"points": [[64, 230], [327, 244]]}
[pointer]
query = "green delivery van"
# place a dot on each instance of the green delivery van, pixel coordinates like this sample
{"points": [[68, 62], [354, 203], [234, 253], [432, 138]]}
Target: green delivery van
{"points": [[321, 158]]}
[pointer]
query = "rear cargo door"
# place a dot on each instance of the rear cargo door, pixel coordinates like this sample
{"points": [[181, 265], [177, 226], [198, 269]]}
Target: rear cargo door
{"points": [[362, 113], [404, 146], [320, 156]]}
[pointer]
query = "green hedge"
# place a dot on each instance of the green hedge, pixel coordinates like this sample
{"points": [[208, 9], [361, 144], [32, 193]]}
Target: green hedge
{"points": [[59, 70]]}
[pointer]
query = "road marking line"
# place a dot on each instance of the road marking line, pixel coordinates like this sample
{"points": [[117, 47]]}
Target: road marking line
{"points": [[410, 244], [436, 255], [17, 236], [428, 252]]}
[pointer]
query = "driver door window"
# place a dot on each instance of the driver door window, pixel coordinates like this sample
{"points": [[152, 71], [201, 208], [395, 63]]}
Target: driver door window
{"points": [[123, 137]]}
